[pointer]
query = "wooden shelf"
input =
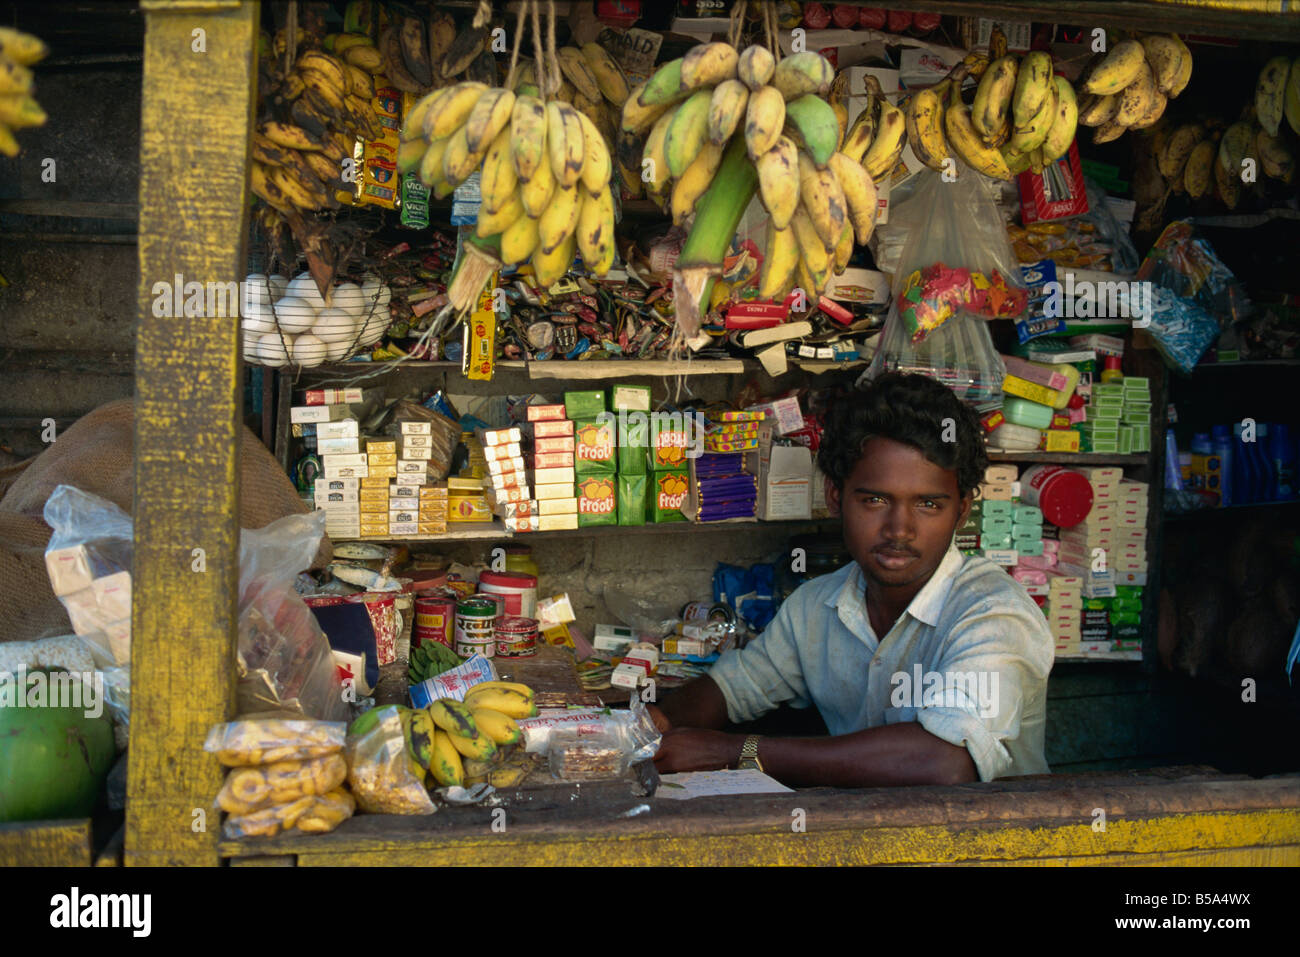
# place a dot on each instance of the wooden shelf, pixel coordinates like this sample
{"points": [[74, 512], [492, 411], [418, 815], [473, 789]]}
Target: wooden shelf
{"points": [[478, 531], [1102, 656], [597, 369], [1069, 458]]}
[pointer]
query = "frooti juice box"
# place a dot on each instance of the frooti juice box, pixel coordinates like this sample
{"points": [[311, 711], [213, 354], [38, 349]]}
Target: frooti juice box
{"points": [[597, 500], [631, 499], [666, 494], [595, 449]]}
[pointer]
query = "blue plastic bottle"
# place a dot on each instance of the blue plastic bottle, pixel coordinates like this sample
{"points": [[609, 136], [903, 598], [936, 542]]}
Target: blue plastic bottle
{"points": [[1267, 486], [1282, 452], [1221, 443], [1243, 470]]}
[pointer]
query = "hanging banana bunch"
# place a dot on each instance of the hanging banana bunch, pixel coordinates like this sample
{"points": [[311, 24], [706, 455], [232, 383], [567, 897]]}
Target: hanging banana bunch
{"points": [[18, 107], [545, 167], [1129, 86], [311, 119], [709, 130]]}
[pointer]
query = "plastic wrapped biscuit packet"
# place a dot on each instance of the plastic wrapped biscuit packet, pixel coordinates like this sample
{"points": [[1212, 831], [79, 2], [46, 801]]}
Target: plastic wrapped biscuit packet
{"points": [[267, 740]]}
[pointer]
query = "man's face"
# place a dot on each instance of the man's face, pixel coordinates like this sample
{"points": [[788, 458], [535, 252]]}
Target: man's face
{"points": [[900, 511]]}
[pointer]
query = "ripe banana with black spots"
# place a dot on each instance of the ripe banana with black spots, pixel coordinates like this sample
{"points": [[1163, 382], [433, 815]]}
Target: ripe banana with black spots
{"points": [[1275, 158], [564, 142], [778, 180], [755, 67], [708, 64], [595, 232], [1177, 149], [574, 66], [688, 131], [925, 128], [1198, 171], [1025, 139], [803, 73], [726, 110], [1165, 56], [860, 196], [764, 119], [1065, 122], [1291, 98], [1270, 93], [693, 183], [821, 195], [993, 97], [969, 145], [501, 728], [1095, 110], [780, 261], [1139, 97], [1118, 69], [446, 767], [608, 74], [509, 701], [1032, 80], [886, 146]]}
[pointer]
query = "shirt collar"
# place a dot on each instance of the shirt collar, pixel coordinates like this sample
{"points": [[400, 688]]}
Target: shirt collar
{"points": [[926, 606]]}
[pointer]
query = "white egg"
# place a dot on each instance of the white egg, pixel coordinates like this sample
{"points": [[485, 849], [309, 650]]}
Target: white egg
{"points": [[308, 350], [295, 315], [257, 318], [348, 297], [253, 346], [333, 325], [374, 329], [375, 292], [278, 285], [272, 352], [303, 286], [335, 351]]}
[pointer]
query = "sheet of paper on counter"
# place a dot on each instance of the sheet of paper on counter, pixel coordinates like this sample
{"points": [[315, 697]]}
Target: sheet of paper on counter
{"points": [[694, 784]]}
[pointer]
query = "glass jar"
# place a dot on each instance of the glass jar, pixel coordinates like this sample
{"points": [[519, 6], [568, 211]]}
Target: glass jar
{"points": [[519, 558]]}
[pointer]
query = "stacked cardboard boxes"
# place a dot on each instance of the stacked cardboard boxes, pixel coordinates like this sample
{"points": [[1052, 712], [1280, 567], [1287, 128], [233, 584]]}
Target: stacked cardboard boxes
{"points": [[595, 457], [1064, 608], [553, 453]]}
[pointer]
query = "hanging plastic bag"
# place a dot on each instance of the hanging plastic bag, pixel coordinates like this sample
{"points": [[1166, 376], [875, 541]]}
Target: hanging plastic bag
{"points": [[956, 268], [285, 663], [1187, 266]]}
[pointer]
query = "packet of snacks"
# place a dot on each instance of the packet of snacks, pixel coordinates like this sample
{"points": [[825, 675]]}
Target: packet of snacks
{"points": [[311, 814], [257, 787], [268, 740]]}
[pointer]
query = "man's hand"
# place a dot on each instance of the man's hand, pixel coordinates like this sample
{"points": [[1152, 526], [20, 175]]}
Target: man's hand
{"points": [[659, 718], [696, 749]]}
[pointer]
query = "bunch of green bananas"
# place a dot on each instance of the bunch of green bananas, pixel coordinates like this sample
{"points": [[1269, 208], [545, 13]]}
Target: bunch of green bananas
{"points": [[318, 112], [1129, 86], [430, 659], [18, 108], [679, 125], [545, 172], [448, 733]]}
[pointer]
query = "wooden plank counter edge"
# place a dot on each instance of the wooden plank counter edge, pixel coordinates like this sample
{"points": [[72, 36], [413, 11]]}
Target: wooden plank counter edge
{"points": [[46, 843], [1211, 819]]}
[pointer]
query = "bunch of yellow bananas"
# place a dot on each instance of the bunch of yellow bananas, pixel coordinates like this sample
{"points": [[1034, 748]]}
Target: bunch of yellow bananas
{"points": [[323, 106], [1129, 86], [676, 130], [443, 737], [18, 108], [545, 172]]}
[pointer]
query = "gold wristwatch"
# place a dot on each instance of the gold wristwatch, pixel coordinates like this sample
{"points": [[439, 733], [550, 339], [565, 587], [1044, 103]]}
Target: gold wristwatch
{"points": [[749, 755]]}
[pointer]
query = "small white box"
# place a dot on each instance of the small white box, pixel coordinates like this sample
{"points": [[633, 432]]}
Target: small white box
{"points": [[785, 489], [417, 442], [342, 429], [417, 428], [412, 466], [626, 676], [410, 453], [69, 569], [336, 459], [562, 490], [558, 506], [345, 471], [351, 444], [403, 528], [414, 480], [113, 595], [411, 492], [337, 485], [560, 476], [309, 413], [83, 611]]}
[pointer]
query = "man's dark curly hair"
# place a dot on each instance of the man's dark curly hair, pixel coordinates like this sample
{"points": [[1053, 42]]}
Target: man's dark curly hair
{"points": [[911, 409]]}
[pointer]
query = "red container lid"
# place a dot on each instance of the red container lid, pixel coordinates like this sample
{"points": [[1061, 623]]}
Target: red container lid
{"points": [[507, 579], [1066, 498]]}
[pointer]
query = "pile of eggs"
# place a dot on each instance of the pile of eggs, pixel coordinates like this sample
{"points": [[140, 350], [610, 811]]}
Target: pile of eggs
{"points": [[312, 329]]}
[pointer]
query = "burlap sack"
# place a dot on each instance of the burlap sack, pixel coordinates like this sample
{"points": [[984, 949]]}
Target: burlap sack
{"points": [[96, 454]]}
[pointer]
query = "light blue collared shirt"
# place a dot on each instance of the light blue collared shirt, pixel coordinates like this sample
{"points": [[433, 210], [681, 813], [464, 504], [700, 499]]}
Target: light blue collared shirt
{"points": [[968, 659]]}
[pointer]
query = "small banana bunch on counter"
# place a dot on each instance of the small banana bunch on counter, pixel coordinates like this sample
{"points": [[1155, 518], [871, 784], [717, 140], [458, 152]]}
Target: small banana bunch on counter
{"points": [[448, 733], [678, 126], [1129, 86], [321, 107], [18, 108], [545, 172]]}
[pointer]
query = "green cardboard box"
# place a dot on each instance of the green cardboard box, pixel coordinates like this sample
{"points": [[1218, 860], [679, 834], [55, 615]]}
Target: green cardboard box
{"points": [[666, 493], [597, 500], [631, 499], [595, 449], [633, 446], [584, 405]]}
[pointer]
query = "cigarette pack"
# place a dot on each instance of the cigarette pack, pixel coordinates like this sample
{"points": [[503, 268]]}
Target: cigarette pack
{"points": [[553, 476], [541, 413], [381, 447], [416, 428], [552, 428], [560, 443]]}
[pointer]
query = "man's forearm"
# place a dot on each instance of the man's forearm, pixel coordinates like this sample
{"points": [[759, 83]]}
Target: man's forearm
{"points": [[896, 754], [697, 704]]}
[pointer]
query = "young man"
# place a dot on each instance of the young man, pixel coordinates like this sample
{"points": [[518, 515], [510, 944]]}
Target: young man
{"points": [[927, 667]]}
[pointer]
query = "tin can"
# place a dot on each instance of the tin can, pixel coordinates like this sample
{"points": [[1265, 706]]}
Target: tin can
{"points": [[516, 637], [435, 620], [519, 589], [475, 628]]}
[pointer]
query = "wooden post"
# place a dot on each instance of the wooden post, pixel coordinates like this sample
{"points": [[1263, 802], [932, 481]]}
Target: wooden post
{"points": [[200, 82]]}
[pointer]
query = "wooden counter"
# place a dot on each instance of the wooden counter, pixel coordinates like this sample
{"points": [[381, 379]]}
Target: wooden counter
{"points": [[1187, 815]]}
